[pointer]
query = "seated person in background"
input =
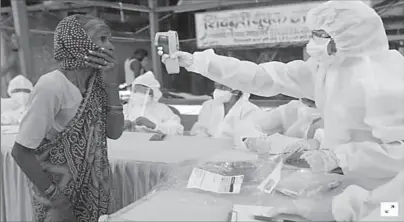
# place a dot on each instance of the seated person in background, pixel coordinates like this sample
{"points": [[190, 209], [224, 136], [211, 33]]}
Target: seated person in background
{"points": [[297, 119], [219, 116], [13, 108], [144, 113]]}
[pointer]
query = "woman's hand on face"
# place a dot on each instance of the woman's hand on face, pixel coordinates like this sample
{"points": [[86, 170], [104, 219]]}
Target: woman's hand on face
{"points": [[104, 61]]}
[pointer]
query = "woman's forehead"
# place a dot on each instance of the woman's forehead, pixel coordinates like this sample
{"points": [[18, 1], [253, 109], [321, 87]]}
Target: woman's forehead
{"points": [[97, 26]]}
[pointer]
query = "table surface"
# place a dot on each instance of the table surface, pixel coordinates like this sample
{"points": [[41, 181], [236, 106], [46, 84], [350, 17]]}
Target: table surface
{"points": [[174, 149], [180, 204]]}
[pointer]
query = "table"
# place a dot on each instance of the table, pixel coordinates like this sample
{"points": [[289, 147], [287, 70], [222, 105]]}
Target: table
{"points": [[181, 204], [137, 164]]}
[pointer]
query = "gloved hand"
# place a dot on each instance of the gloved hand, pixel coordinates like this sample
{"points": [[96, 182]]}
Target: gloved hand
{"points": [[303, 145], [143, 121], [321, 160], [260, 145], [185, 59]]}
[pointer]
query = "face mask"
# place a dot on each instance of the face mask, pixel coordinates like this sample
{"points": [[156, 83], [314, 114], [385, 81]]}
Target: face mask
{"points": [[20, 97], [318, 48], [222, 95]]}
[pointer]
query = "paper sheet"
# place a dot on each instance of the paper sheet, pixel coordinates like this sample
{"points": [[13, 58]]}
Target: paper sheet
{"points": [[208, 181], [269, 184], [247, 212]]}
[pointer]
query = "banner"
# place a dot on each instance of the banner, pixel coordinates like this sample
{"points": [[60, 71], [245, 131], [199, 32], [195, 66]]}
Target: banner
{"points": [[246, 27]]}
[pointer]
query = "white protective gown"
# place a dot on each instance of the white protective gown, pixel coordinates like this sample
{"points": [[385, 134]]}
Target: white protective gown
{"points": [[213, 122], [166, 121], [358, 204], [13, 108], [358, 91], [293, 119], [129, 74]]}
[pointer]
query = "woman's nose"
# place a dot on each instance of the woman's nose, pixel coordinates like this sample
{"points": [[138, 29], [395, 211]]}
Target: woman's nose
{"points": [[110, 47]]}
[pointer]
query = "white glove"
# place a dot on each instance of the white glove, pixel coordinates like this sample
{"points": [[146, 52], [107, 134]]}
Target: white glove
{"points": [[185, 59], [260, 145], [321, 160], [299, 146]]}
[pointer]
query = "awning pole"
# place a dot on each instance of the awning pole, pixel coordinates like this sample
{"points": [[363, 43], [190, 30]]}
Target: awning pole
{"points": [[20, 18], [153, 19], [2, 45]]}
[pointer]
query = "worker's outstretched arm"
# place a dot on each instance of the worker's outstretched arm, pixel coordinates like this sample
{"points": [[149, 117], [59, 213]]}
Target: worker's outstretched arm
{"points": [[268, 79]]}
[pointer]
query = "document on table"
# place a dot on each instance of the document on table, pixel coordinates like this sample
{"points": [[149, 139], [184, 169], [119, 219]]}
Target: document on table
{"points": [[208, 181], [269, 184], [247, 212]]}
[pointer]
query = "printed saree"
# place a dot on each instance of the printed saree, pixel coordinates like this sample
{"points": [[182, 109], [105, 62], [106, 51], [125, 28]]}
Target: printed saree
{"points": [[77, 161]]}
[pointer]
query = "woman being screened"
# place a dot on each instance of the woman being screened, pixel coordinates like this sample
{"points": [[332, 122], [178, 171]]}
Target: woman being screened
{"points": [[62, 143]]}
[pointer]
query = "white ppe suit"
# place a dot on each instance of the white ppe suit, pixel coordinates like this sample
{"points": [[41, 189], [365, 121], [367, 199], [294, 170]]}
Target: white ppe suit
{"points": [[358, 204], [212, 120], [358, 91], [166, 121], [293, 119], [13, 108]]}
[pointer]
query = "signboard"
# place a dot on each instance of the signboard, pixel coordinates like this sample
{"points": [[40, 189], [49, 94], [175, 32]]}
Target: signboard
{"points": [[253, 26]]}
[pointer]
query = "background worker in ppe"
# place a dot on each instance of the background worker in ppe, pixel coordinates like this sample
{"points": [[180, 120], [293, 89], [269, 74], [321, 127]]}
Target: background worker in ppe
{"points": [[12, 109], [11, 67], [144, 113], [296, 119], [355, 80], [219, 117]]}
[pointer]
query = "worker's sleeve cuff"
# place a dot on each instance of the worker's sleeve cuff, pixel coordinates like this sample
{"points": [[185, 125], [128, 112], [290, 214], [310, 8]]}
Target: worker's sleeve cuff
{"points": [[200, 62]]}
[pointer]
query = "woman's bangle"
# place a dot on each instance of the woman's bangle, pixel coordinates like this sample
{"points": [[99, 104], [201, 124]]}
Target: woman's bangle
{"points": [[54, 195], [115, 110], [52, 192], [50, 189]]}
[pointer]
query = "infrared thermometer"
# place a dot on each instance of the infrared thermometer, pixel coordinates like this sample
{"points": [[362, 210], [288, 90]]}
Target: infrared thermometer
{"points": [[168, 43]]}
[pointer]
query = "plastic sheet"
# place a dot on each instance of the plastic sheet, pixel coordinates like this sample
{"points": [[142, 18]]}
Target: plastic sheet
{"points": [[202, 203], [307, 184], [302, 182]]}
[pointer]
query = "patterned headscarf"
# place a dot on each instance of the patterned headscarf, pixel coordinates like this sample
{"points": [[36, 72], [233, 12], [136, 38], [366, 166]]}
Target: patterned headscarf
{"points": [[71, 44]]}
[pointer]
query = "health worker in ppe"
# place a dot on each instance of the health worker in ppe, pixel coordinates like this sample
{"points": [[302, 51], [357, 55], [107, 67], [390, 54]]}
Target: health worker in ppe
{"points": [[353, 204], [219, 116], [12, 109], [355, 80], [144, 113], [297, 121]]}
